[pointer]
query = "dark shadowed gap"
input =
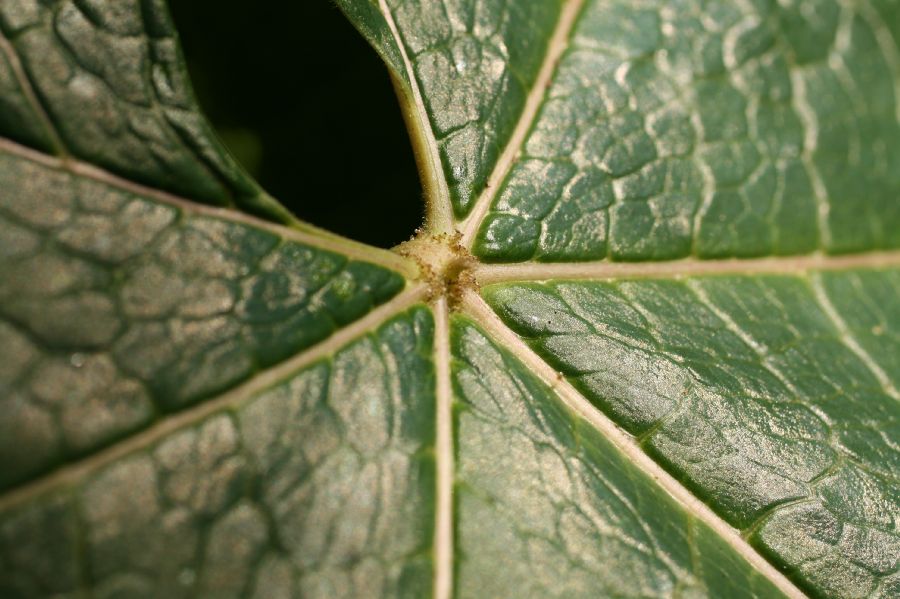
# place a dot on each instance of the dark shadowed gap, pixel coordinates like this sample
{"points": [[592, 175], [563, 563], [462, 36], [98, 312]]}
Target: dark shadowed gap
{"points": [[308, 108]]}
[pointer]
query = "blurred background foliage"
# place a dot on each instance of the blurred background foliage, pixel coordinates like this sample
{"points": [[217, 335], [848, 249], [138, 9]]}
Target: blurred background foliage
{"points": [[308, 108]]}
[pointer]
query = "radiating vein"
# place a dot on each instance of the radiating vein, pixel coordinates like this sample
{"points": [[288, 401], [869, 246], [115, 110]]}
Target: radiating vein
{"points": [[558, 43], [308, 234], [487, 274], [478, 310], [443, 538], [77, 471], [439, 216]]}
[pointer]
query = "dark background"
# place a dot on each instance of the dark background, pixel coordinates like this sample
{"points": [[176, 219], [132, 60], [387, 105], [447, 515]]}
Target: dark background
{"points": [[307, 107]]}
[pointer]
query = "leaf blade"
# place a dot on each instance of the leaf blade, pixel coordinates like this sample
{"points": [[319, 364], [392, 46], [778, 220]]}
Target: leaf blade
{"points": [[474, 67], [540, 483], [733, 131], [258, 513], [123, 308], [746, 390], [110, 87], [722, 161]]}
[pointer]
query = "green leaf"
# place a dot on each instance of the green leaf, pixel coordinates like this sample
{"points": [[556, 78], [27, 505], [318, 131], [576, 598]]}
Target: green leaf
{"points": [[121, 309], [227, 507], [709, 131], [774, 398], [646, 344], [569, 513], [104, 82]]}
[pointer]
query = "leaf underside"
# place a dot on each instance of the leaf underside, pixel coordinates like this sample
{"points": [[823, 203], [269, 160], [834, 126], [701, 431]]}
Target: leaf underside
{"points": [[202, 397]]}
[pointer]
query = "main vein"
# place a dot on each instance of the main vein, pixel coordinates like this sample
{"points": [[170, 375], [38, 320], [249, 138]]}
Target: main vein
{"points": [[439, 216], [487, 274], [76, 471], [478, 310], [558, 43], [443, 536], [308, 235]]}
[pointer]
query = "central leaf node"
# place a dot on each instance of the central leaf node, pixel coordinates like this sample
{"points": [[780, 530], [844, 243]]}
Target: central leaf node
{"points": [[444, 264]]}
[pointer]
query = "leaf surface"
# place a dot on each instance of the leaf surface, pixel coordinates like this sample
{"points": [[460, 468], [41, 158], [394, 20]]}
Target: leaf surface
{"points": [[248, 502], [731, 129], [540, 489], [646, 344], [758, 392]]}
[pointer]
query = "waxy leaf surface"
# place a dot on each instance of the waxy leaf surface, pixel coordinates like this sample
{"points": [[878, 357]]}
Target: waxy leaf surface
{"points": [[646, 345]]}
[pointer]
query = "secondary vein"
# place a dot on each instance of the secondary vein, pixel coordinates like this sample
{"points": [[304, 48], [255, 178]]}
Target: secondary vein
{"points": [[848, 339], [31, 95]]}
